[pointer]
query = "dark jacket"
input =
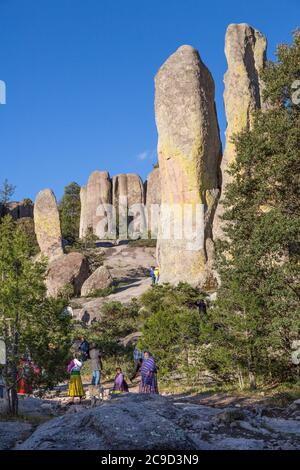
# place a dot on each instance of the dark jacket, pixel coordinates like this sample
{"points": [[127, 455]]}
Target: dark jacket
{"points": [[84, 348]]}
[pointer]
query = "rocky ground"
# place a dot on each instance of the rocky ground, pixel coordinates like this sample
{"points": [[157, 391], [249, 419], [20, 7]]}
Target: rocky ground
{"points": [[129, 267], [134, 421]]}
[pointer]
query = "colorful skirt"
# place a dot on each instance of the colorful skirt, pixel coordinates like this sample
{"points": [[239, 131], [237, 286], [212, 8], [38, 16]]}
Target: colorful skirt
{"points": [[149, 383], [75, 385], [24, 387]]}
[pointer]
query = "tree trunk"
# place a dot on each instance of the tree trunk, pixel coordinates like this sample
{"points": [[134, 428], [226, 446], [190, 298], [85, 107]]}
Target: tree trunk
{"points": [[13, 401], [240, 379], [252, 380]]}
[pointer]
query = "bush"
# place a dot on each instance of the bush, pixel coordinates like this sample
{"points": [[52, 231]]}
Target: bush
{"points": [[172, 327], [103, 292]]}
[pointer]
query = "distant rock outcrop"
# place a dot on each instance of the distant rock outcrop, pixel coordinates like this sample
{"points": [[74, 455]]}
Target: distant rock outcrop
{"points": [[245, 50], [47, 224], [128, 200], [100, 279], [21, 209], [93, 197], [153, 200], [67, 271], [189, 152]]}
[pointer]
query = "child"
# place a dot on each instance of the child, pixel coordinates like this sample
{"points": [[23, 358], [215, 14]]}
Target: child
{"points": [[120, 384]]}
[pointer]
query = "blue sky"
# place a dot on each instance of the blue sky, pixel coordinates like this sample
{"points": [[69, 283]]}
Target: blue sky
{"points": [[79, 77]]}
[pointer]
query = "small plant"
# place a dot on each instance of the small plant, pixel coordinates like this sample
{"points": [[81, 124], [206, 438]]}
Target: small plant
{"points": [[148, 243], [103, 292]]}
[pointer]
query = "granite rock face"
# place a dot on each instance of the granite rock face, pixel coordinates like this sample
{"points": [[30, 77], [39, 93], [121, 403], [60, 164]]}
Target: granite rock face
{"points": [[67, 271], [99, 428], [94, 196], [100, 279], [245, 50], [189, 153], [47, 224], [153, 200]]}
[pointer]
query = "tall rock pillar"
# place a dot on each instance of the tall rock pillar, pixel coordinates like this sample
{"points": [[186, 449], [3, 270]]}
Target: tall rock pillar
{"points": [[47, 224], [94, 196], [189, 153], [245, 50]]}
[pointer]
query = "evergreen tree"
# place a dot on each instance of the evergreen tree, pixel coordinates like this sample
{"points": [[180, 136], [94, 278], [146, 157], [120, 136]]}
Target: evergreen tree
{"points": [[171, 327], [6, 192], [256, 316], [69, 209], [31, 324]]}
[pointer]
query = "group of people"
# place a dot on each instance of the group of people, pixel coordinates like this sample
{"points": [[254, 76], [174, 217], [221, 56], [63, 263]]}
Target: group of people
{"points": [[144, 364], [154, 274]]}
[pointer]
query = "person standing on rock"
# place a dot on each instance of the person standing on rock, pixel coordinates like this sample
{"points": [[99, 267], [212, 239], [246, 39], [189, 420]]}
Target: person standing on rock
{"points": [[148, 374], [138, 357], [152, 275], [156, 274], [96, 364], [75, 383]]}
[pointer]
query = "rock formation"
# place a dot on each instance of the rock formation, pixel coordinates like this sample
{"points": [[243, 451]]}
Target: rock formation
{"points": [[128, 200], [67, 271], [99, 428], [95, 194], [189, 151], [245, 50], [47, 224], [20, 210], [100, 279], [153, 200]]}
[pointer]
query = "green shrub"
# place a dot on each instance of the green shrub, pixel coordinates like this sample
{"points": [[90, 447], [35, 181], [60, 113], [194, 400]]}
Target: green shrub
{"points": [[103, 292], [172, 328]]}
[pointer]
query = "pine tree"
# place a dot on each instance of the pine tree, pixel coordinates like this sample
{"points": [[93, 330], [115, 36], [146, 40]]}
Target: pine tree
{"points": [[69, 209], [258, 312], [31, 324], [6, 192]]}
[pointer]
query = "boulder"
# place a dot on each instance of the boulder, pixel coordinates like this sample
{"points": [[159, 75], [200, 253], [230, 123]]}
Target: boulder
{"points": [[189, 154], [47, 224], [19, 210], [153, 200], [100, 279], [94, 196], [69, 270], [128, 422], [128, 200], [245, 50], [230, 415], [12, 432]]}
